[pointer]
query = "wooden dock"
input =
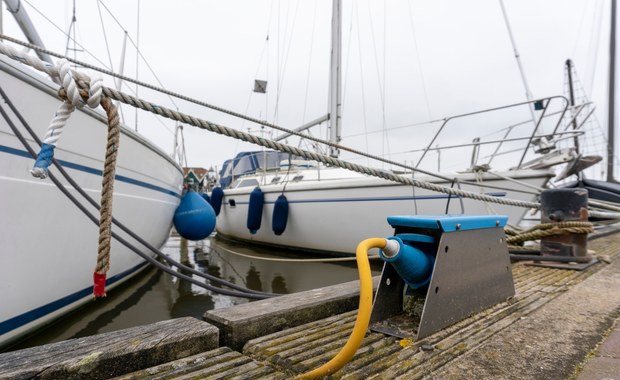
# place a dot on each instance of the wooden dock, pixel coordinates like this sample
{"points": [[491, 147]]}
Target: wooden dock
{"points": [[553, 323]]}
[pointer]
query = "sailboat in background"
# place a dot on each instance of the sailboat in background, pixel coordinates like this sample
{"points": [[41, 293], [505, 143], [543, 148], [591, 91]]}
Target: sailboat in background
{"points": [[272, 199], [588, 168], [49, 246], [601, 186]]}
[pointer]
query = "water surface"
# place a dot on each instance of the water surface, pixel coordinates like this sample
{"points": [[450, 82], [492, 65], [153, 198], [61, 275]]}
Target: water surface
{"points": [[154, 296]]}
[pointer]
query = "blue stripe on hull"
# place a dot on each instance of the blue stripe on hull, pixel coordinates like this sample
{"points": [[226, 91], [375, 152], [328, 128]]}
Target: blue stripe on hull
{"points": [[376, 199], [86, 169], [42, 311]]}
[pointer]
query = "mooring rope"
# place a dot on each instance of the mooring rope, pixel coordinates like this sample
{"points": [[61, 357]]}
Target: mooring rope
{"points": [[13, 54], [51, 70], [163, 111], [107, 192], [83, 82], [330, 161], [107, 182], [288, 260], [548, 229]]}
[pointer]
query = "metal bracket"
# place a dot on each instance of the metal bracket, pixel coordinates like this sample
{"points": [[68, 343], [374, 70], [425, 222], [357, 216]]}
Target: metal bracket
{"points": [[472, 272]]}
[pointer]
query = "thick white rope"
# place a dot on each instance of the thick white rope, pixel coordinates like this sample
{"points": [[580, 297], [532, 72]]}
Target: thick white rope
{"points": [[58, 123]]}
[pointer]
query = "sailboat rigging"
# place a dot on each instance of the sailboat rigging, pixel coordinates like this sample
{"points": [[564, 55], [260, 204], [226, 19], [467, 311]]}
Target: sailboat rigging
{"points": [[342, 207]]}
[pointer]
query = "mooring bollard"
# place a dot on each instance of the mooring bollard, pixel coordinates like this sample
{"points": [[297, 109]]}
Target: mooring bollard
{"points": [[562, 206]]}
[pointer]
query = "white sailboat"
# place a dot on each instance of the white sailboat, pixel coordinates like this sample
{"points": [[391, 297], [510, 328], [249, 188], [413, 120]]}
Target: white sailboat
{"points": [[332, 209], [49, 246]]}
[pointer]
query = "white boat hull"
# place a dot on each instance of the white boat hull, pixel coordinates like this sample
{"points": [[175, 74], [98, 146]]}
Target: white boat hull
{"points": [[335, 215], [49, 247]]}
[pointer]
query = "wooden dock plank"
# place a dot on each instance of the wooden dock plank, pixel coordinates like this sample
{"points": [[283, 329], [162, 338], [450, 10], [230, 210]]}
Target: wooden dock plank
{"points": [[383, 357], [252, 320], [111, 354], [221, 363]]}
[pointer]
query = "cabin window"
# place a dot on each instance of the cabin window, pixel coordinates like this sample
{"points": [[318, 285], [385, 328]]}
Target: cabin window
{"points": [[248, 182], [297, 178], [275, 179], [232, 203]]}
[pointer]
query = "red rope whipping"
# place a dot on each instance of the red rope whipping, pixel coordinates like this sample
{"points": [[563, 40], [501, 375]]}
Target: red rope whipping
{"points": [[99, 284]]}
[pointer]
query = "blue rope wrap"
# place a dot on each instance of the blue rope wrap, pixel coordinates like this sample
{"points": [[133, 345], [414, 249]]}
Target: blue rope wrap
{"points": [[44, 159]]}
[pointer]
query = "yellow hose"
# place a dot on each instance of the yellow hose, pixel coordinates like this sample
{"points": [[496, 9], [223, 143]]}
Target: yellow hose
{"points": [[363, 313]]}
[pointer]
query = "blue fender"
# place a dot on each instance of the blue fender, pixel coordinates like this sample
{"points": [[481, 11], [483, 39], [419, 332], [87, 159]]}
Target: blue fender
{"points": [[216, 199], [280, 215], [255, 209], [194, 219]]}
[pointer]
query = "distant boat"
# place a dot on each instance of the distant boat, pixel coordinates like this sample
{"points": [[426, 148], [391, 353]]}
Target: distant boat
{"points": [[331, 209], [601, 189], [49, 247]]}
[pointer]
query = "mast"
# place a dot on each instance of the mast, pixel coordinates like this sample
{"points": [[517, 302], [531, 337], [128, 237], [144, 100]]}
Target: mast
{"points": [[571, 98], [612, 98], [335, 79], [528, 93], [25, 24]]}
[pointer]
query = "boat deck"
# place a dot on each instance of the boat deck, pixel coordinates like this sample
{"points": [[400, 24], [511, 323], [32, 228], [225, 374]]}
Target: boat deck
{"points": [[546, 331]]}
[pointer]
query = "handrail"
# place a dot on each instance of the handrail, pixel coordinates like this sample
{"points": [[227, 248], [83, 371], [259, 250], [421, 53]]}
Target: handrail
{"points": [[557, 134], [488, 142], [460, 116]]}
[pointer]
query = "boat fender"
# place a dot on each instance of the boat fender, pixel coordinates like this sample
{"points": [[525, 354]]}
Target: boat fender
{"points": [[194, 219], [280, 215], [205, 196], [255, 209], [216, 199]]}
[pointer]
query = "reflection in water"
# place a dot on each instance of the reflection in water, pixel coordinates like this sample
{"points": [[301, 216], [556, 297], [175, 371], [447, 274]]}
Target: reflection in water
{"points": [[153, 296], [252, 279], [278, 284], [189, 303]]}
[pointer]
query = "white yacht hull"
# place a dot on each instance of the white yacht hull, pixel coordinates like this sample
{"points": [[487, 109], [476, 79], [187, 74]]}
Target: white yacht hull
{"points": [[49, 247], [335, 215]]}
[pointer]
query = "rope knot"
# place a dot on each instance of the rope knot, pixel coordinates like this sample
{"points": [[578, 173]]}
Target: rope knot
{"points": [[95, 90], [68, 82], [73, 94]]}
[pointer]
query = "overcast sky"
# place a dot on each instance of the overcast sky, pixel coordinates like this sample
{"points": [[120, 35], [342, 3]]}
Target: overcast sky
{"points": [[404, 62]]}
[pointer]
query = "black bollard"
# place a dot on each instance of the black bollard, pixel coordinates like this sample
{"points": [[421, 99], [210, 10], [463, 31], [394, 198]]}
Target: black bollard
{"points": [[565, 205]]}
